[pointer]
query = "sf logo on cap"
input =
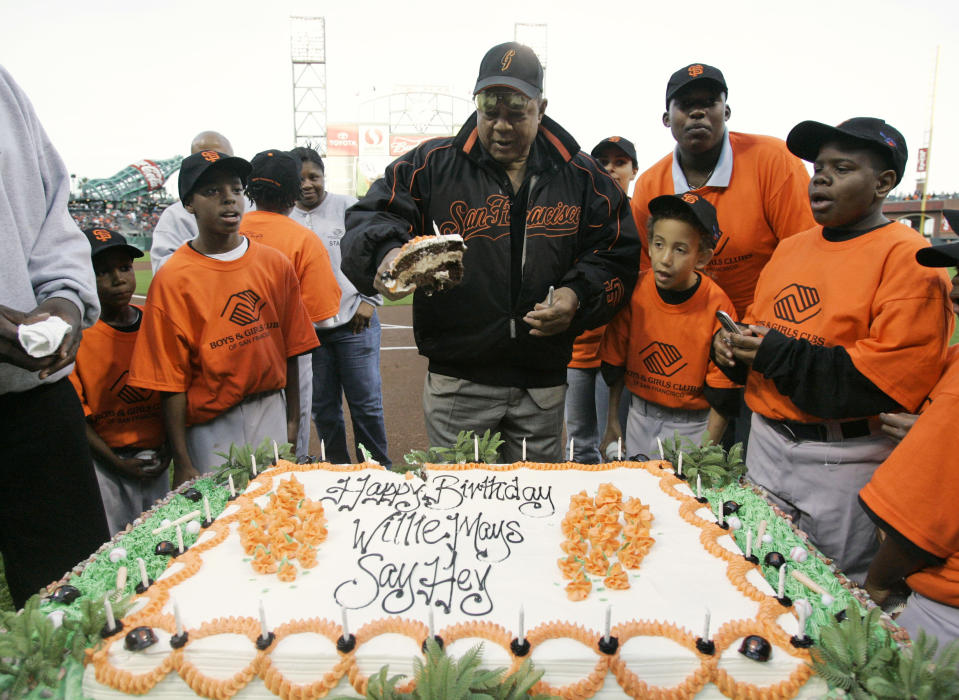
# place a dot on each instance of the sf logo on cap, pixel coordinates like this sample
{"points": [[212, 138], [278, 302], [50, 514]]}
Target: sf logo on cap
{"points": [[210, 156], [102, 235], [507, 59], [695, 70], [690, 198], [614, 139]]}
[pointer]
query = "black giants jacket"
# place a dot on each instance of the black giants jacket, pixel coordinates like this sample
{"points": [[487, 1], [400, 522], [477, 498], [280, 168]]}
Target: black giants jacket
{"points": [[579, 233]]}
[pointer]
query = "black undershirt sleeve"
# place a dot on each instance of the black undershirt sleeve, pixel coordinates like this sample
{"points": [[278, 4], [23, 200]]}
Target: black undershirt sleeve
{"points": [[726, 402], [611, 373], [907, 546], [820, 380]]}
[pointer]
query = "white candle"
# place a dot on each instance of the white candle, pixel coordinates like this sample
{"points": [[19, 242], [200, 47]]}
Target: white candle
{"points": [[749, 543], [571, 443], [803, 612], [206, 508], [144, 579], [475, 449], [706, 627], [662, 455], [232, 487], [176, 619], [781, 591], [346, 625], [619, 449], [264, 630], [179, 539], [322, 450], [606, 626], [276, 453], [524, 449], [679, 468], [522, 625], [111, 621], [121, 578], [720, 516], [699, 487], [432, 633], [760, 531], [253, 464]]}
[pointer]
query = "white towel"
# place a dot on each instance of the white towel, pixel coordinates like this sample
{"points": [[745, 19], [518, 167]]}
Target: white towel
{"points": [[42, 339]]}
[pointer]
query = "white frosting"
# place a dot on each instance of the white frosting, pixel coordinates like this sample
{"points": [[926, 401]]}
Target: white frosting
{"points": [[399, 281], [390, 553]]}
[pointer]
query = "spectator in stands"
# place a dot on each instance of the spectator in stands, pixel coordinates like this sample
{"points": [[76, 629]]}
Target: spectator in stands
{"points": [[177, 226]]}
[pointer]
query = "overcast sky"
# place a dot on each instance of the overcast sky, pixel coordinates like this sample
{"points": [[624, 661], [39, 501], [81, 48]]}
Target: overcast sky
{"points": [[114, 81]]}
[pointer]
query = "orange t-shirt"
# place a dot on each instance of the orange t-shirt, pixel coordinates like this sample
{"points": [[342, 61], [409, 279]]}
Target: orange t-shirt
{"points": [[665, 347], [122, 415], [766, 201], [221, 330], [868, 295], [916, 489], [305, 250], [586, 349]]}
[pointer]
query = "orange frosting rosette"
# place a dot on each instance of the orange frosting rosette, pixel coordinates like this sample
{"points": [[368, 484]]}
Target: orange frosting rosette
{"points": [[597, 541]]}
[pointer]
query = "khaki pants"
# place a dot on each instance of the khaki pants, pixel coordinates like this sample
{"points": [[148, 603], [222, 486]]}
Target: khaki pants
{"points": [[818, 483], [648, 421], [451, 405], [125, 498], [248, 423], [937, 619]]}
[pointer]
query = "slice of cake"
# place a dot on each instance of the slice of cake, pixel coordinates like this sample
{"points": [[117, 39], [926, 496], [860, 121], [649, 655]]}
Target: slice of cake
{"points": [[429, 263]]}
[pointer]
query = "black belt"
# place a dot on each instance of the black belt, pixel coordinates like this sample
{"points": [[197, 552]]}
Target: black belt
{"points": [[822, 432]]}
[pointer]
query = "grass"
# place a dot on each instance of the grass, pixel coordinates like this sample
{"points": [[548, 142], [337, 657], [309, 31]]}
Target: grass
{"points": [[6, 602]]}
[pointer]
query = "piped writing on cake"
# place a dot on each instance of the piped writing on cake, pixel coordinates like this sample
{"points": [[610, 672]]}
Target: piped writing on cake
{"points": [[424, 548]]}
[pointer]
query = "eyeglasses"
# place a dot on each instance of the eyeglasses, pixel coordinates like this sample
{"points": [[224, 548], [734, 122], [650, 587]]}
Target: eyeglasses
{"points": [[487, 101]]}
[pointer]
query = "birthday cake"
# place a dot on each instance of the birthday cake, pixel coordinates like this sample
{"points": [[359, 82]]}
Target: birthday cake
{"points": [[430, 263], [613, 579]]}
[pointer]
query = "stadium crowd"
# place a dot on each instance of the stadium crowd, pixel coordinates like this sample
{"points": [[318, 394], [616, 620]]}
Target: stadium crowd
{"points": [[731, 296]]}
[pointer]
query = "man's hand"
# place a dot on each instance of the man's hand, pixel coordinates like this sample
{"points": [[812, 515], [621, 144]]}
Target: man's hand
{"points": [[381, 270], [546, 319], [183, 473], [11, 351], [896, 425], [67, 351], [361, 319], [730, 348], [135, 468]]}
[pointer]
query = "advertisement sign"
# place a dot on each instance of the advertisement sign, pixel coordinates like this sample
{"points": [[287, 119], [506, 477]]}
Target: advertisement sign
{"points": [[401, 143], [342, 140], [374, 139], [921, 160]]}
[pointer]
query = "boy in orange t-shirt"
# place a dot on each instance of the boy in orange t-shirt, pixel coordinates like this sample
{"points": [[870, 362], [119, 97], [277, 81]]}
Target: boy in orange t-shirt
{"points": [[842, 328], [124, 425], [223, 325], [912, 498], [658, 346], [274, 187], [587, 396]]}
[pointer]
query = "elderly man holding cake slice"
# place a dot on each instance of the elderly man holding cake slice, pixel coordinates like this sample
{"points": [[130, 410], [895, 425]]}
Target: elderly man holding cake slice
{"points": [[550, 251]]}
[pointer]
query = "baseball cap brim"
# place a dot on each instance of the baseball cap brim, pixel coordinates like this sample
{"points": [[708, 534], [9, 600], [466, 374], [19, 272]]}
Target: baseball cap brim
{"points": [[238, 165], [946, 255], [806, 138], [506, 81]]}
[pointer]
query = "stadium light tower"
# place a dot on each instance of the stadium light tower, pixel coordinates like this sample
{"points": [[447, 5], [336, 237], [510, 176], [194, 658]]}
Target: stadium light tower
{"points": [[308, 58]]}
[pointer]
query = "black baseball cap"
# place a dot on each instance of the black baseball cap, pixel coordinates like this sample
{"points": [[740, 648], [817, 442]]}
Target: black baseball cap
{"points": [[511, 65], [275, 168], [806, 138], [693, 73], [194, 166], [700, 208], [945, 255], [102, 239], [625, 145]]}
